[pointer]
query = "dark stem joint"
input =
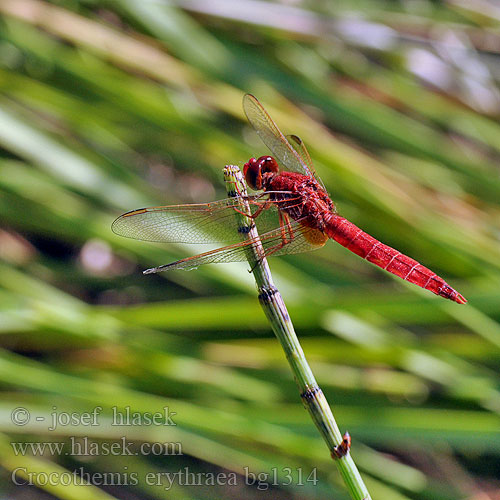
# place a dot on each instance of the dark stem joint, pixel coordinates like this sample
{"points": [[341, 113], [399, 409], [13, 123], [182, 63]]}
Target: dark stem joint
{"points": [[343, 448], [266, 294], [245, 229], [311, 393]]}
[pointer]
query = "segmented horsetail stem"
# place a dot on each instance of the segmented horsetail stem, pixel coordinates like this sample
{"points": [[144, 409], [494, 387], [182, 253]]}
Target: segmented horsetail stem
{"points": [[274, 307]]}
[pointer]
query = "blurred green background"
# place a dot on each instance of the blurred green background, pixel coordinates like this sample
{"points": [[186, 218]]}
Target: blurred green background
{"points": [[107, 106]]}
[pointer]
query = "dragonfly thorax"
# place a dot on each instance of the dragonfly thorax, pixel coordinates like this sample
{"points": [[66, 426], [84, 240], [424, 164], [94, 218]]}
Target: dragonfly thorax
{"points": [[259, 171], [302, 198]]}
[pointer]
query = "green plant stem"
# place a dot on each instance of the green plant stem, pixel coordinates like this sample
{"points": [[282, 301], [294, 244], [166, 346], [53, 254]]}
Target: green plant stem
{"points": [[274, 307]]}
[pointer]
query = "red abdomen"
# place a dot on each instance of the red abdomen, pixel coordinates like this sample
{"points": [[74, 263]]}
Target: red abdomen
{"points": [[367, 247]]}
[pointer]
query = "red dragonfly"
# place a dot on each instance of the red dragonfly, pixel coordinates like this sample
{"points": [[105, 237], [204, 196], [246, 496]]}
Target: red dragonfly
{"points": [[293, 212]]}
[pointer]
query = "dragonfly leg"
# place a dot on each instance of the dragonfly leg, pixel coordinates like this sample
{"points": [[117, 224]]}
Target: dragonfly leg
{"points": [[262, 207], [284, 227], [285, 239]]}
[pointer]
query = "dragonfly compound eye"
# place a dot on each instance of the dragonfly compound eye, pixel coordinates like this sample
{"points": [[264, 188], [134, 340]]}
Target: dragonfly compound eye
{"points": [[268, 164], [253, 173]]}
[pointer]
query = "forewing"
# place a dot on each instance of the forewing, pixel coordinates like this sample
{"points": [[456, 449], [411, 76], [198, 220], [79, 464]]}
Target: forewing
{"points": [[300, 147], [194, 223], [304, 239], [272, 137]]}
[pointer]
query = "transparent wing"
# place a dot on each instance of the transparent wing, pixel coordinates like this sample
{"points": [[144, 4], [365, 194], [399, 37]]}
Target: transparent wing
{"points": [[272, 137], [303, 239], [300, 148], [194, 223]]}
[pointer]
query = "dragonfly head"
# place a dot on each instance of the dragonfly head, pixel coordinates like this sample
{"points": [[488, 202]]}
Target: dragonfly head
{"points": [[257, 171]]}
